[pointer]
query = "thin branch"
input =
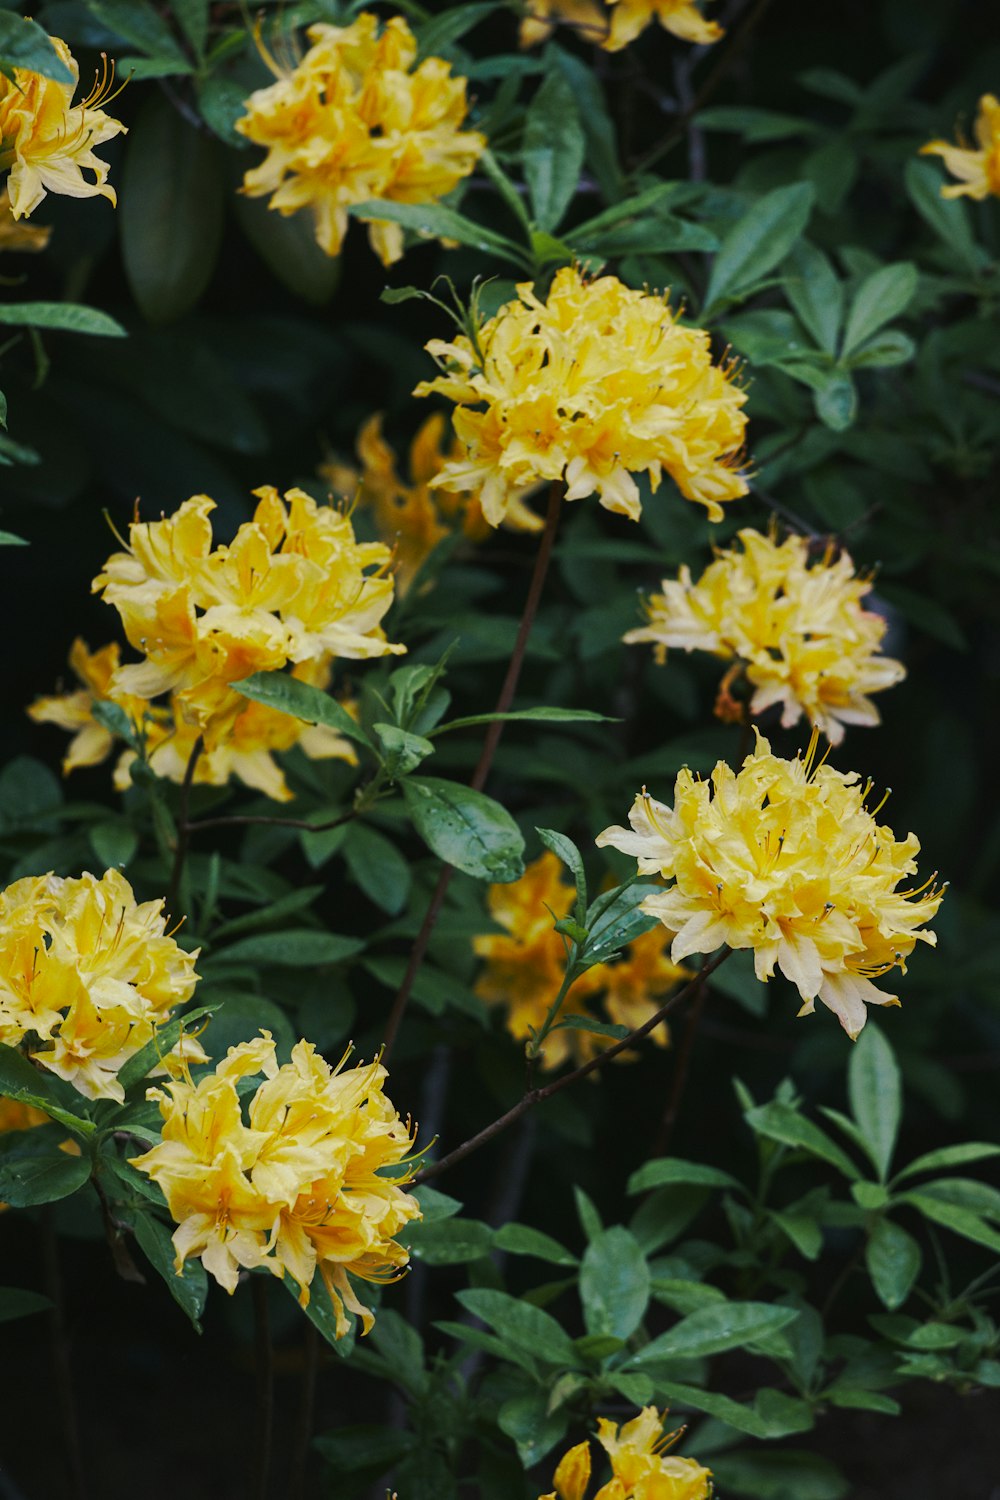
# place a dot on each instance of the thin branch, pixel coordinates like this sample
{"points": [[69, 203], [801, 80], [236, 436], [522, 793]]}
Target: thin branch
{"points": [[537, 1096], [183, 828], [485, 762], [239, 821], [682, 1069]]}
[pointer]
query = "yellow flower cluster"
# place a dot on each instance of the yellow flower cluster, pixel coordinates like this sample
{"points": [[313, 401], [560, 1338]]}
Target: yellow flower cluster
{"points": [[47, 141], [291, 587], [87, 976], [412, 517], [976, 167], [525, 965], [785, 858], [614, 28], [353, 121], [798, 627], [296, 1184], [641, 1468], [246, 751], [594, 384]]}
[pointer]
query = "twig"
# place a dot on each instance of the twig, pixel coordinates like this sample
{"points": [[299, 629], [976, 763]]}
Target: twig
{"points": [[183, 828], [537, 1096], [240, 821], [62, 1369], [682, 1069], [485, 762], [264, 1363]]}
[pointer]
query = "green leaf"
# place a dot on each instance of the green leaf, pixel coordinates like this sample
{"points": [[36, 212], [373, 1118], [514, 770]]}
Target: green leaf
{"points": [[465, 828], [66, 317], [884, 350], [114, 842], [875, 1092], [20, 1079], [671, 1169], [949, 1156], [8, 539], [435, 221], [965, 1192], [529, 716], [948, 217], [138, 22], [24, 44], [619, 922], [165, 1040], [266, 916], [296, 948], [859, 1398], [448, 1242], [785, 1474], [960, 1220], [836, 402], [614, 1283], [403, 751], [522, 1325], [378, 867], [189, 1287], [881, 297], [521, 1239], [712, 1329], [534, 1429], [761, 239], [193, 18], [172, 211], [442, 31], [363, 1446], [755, 124], [893, 1259], [552, 151], [286, 244], [564, 849], [620, 215], [816, 294], [597, 1028], [321, 1315], [288, 695], [15, 1303], [41, 1177], [780, 1122]]}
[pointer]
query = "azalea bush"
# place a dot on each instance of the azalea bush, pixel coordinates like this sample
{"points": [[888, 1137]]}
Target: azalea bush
{"points": [[462, 659]]}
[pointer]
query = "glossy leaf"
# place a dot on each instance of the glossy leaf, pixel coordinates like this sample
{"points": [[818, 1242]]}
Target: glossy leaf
{"points": [[614, 1283], [465, 828], [553, 150], [875, 1091]]}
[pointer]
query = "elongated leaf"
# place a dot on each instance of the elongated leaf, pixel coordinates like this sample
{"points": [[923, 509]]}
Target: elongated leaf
{"points": [[948, 217], [893, 1259], [15, 1303], [670, 1169], [534, 1429], [881, 297], [189, 1287], [378, 867], [553, 150], [266, 916], [285, 243], [403, 751], [529, 716], [836, 401], [297, 948], [41, 1178], [437, 222], [710, 1330], [949, 1156], [614, 1283], [724, 1408], [875, 1092], [630, 210], [441, 32], [66, 317], [521, 1239], [816, 294], [564, 849], [779, 1122], [522, 1325], [465, 828], [171, 213], [20, 1079], [279, 690], [139, 23], [619, 922], [24, 44], [761, 239], [164, 1041], [960, 1220]]}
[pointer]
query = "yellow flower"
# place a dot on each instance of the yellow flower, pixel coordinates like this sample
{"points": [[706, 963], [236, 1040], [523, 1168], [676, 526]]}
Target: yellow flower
{"points": [[92, 742], [589, 387], [587, 18], [641, 1467], [353, 121], [798, 627], [785, 858], [978, 171], [525, 965], [680, 17], [87, 976], [412, 518], [47, 141], [16, 236], [294, 1186], [292, 586]]}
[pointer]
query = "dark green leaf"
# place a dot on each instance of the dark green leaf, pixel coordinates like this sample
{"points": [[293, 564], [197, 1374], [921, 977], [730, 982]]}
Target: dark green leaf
{"points": [[881, 297], [780, 1122], [286, 244], [20, 1079], [364, 1446], [534, 1429], [24, 44], [884, 350], [41, 1178], [297, 948], [713, 1329], [875, 1092], [189, 1287], [165, 1040], [553, 150], [761, 239], [836, 402], [378, 867], [614, 1283], [949, 1156], [403, 751], [288, 695], [448, 1242], [522, 1325], [530, 716], [433, 220], [671, 1169], [465, 828], [15, 1303], [618, 923], [948, 217], [787, 1474], [521, 1239], [564, 849], [816, 294], [960, 1220], [893, 1258], [139, 23], [66, 317]]}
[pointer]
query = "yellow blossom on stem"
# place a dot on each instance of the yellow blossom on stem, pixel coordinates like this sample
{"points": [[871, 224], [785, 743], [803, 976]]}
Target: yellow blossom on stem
{"points": [[784, 857], [587, 18], [681, 18], [47, 142], [593, 385], [526, 964], [976, 167], [293, 586], [352, 121], [797, 625], [641, 1467], [292, 1184], [87, 975]]}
